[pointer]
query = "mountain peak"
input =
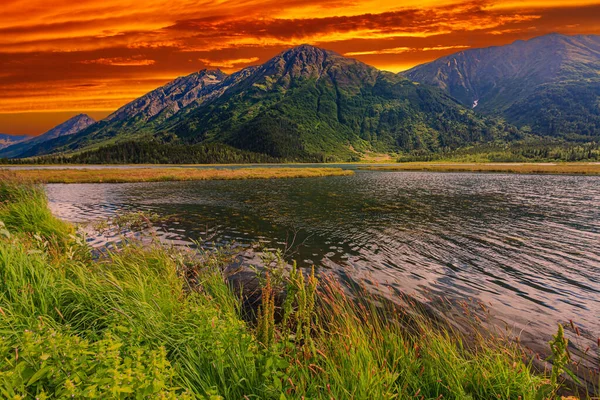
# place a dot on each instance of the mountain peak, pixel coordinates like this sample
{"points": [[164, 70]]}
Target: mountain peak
{"points": [[69, 127], [205, 72], [307, 53], [8, 139], [170, 98], [537, 60], [311, 62], [307, 48], [524, 80], [81, 117]]}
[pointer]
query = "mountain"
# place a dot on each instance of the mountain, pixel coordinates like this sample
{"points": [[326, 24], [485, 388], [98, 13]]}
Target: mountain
{"points": [[139, 118], [304, 104], [169, 99], [8, 140], [310, 103], [69, 127], [136, 116], [550, 83]]}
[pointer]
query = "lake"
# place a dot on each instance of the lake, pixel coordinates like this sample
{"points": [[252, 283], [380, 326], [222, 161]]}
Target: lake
{"points": [[528, 246]]}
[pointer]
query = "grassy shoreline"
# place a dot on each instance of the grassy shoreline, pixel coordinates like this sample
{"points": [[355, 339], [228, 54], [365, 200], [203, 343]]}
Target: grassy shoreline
{"points": [[122, 175], [514, 168], [156, 322]]}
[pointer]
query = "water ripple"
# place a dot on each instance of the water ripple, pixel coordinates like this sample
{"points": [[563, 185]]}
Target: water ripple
{"points": [[527, 244]]}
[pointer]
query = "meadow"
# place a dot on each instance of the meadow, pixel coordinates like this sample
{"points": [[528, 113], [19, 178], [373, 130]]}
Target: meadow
{"points": [[515, 168], [152, 321], [123, 175]]}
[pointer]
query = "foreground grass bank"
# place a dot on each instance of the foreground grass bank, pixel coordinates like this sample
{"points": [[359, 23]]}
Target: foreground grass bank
{"points": [[517, 168], [154, 322], [122, 175]]}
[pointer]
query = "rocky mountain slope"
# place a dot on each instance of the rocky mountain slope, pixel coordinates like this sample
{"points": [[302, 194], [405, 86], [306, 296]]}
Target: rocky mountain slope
{"points": [[141, 116], [550, 83], [169, 99], [304, 104], [8, 140], [69, 127], [308, 102]]}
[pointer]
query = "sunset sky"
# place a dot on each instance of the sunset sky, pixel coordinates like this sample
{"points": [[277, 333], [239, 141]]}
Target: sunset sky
{"points": [[62, 57]]}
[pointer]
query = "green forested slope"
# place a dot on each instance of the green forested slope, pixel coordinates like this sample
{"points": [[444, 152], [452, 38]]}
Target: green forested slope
{"points": [[306, 104]]}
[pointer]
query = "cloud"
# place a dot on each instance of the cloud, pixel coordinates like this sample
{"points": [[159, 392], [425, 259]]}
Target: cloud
{"points": [[99, 54], [228, 64], [219, 31], [121, 61], [400, 50]]}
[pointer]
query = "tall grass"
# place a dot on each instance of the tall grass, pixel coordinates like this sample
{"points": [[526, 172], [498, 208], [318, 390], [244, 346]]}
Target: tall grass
{"points": [[23, 208], [132, 325]]}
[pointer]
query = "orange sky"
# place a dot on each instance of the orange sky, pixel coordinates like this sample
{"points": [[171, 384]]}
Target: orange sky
{"points": [[95, 55]]}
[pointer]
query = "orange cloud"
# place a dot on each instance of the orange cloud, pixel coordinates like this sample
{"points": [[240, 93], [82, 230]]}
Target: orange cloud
{"points": [[99, 54], [121, 61], [400, 50], [228, 64]]}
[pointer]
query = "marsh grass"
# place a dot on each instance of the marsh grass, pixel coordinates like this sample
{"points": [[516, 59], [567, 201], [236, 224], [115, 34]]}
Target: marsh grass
{"points": [[122, 175], [156, 322], [525, 168], [23, 208]]}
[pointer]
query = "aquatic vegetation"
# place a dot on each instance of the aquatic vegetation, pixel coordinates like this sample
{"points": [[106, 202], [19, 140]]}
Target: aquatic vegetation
{"points": [[132, 221], [517, 168], [121, 175], [157, 322]]}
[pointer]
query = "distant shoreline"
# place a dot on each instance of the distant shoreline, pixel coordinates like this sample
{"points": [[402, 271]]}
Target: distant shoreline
{"points": [[514, 168], [129, 175], [163, 172]]}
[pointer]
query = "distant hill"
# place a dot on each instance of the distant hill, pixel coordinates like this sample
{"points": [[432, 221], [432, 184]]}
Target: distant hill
{"points": [[550, 83], [304, 104], [8, 140], [69, 127], [142, 116]]}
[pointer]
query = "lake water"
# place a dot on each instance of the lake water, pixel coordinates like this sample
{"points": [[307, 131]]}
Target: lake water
{"points": [[528, 245]]}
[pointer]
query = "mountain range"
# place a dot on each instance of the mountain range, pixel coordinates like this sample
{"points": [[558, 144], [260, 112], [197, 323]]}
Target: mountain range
{"points": [[69, 127], [8, 140], [311, 104], [550, 84]]}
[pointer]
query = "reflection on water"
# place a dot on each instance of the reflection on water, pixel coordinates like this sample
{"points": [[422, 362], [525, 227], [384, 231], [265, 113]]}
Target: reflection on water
{"points": [[527, 244]]}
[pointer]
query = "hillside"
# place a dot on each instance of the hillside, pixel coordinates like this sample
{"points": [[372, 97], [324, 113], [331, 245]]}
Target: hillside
{"points": [[304, 104], [550, 83], [308, 102]]}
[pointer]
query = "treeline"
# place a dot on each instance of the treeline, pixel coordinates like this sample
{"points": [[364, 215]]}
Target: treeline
{"points": [[151, 152], [159, 152], [564, 110], [154, 152], [526, 151]]}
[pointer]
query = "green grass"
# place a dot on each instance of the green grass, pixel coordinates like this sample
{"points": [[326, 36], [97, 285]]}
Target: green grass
{"points": [[154, 322], [23, 208]]}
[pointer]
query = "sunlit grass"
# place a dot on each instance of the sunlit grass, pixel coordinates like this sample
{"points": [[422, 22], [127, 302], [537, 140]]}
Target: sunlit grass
{"points": [[525, 168], [155, 322], [121, 175]]}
